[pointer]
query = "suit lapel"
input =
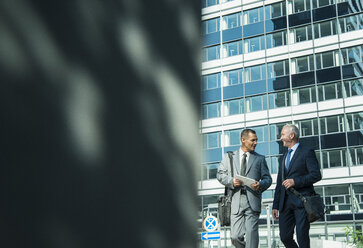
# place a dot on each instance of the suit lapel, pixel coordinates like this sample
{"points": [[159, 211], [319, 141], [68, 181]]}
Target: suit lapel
{"points": [[236, 162], [284, 166], [296, 154], [250, 162]]}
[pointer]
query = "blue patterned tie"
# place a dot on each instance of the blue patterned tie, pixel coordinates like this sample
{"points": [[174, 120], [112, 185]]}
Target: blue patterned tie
{"points": [[288, 159]]}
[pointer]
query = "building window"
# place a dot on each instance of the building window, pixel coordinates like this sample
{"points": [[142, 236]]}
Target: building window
{"points": [[308, 127], [350, 23], [279, 99], [211, 110], [211, 53], [355, 156], [212, 140], [325, 29], [302, 33], [273, 163], [255, 73], [211, 26], [337, 199], [232, 77], [261, 133], [321, 3], [332, 124], [232, 137], [276, 39], [355, 121], [275, 10], [254, 44], [256, 103], [352, 55], [232, 48], [212, 81], [327, 59], [232, 21], [209, 171], [234, 107], [333, 158], [353, 88], [357, 197], [300, 5], [303, 64], [208, 3], [277, 69], [275, 131], [253, 16], [303, 95], [330, 91]]}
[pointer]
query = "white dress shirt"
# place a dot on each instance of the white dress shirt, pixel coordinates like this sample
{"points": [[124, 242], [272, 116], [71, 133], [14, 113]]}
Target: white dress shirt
{"points": [[293, 151], [241, 156]]}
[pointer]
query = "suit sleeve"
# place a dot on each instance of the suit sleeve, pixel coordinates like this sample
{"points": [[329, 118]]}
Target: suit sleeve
{"points": [[276, 201], [223, 174], [313, 175], [266, 179]]}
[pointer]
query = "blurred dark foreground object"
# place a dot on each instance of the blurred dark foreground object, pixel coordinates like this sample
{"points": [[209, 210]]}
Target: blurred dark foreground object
{"points": [[99, 123]]}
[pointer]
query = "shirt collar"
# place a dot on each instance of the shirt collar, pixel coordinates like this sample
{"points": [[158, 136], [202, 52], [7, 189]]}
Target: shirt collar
{"points": [[295, 146], [241, 153]]}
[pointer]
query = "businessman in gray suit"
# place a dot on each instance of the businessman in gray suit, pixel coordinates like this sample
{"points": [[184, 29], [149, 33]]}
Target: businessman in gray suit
{"points": [[246, 199]]}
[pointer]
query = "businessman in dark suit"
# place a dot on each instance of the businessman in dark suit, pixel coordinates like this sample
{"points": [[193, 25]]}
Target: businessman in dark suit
{"points": [[301, 171]]}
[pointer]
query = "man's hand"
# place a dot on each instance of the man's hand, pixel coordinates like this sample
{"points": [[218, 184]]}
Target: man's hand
{"points": [[275, 214], [237, 183], [255, 186], [288, 183]]}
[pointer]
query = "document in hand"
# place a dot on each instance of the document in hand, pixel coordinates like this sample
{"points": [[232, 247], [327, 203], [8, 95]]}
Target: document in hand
{"points": [[246, 180]]}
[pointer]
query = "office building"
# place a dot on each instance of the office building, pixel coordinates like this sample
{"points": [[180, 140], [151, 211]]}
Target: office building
{"points": [[268, 63]]}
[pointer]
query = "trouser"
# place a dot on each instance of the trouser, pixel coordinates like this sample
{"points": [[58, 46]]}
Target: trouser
{"points": [[244, 226], [294, 214]]}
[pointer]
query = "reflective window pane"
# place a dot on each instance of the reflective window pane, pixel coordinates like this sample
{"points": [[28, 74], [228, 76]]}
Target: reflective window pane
{"points": [[354, 54], [302, 64], [233, 77], [328, 59], [211, 26], [330, 92], [306, 128], [232, 21], [351, 23], [234, 107], [214, 140], [332, 124], [300, 5], [257, 103], [233, 48], [211, 53], [304, 96], [211, 81], [211, 110], [325, 29]]}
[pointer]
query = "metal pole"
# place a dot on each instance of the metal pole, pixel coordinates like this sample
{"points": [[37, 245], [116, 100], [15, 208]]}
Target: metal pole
{"points": [[268, 226]]}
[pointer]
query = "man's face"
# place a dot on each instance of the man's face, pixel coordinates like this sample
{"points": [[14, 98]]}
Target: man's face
{"points": [[249, 143], [286, 137]]}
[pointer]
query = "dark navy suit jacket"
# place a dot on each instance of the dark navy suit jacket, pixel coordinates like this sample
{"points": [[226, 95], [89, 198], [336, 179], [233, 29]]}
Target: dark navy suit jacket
{"points": [[304, 169]]}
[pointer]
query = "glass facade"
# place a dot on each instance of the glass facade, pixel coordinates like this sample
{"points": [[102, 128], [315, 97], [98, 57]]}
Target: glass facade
{"points": [[301, 62]]}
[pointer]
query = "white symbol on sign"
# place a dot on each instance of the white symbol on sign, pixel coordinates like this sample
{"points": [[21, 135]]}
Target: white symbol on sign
{"points": [[210, 223], [211, 235]]}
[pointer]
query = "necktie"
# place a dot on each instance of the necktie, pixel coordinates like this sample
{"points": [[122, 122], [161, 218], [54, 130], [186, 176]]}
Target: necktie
{"points": [[243, 164], [288, 159]]}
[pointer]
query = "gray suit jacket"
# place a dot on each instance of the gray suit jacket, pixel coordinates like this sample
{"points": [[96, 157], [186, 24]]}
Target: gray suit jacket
{"points": [[256, 168]]}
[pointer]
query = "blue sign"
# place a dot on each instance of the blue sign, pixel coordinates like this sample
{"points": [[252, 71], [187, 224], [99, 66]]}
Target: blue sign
{"points": [[211, 235], [210, 223]]}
